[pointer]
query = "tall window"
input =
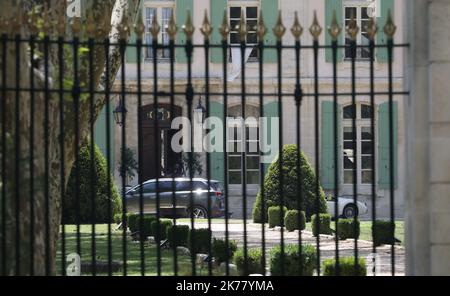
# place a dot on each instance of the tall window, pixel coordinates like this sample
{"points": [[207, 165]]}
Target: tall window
{"points": [[250, 9], [358, 10], [363, 144], [235, 147], [163, 14]]}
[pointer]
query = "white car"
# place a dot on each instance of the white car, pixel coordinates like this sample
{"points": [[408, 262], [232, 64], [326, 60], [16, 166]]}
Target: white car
{"points": [[347, 207]]}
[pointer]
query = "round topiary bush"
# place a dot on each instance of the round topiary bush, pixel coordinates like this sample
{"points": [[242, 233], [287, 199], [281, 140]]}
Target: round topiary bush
{"points": [[291, 220], [84, 187], [275, 216], [292, 186]]}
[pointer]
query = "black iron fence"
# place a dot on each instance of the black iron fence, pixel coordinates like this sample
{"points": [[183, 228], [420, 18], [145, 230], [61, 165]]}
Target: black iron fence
{"points": [[59, 198]]}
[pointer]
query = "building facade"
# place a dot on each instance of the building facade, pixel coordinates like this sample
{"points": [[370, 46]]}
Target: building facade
{"points": [[269, 8]]}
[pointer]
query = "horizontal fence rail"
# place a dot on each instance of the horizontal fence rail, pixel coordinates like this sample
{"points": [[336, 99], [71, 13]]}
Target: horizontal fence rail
{"points": [[67, 209]]}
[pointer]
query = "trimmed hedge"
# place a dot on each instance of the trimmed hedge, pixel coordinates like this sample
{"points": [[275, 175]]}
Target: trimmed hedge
{"points": [[254, 261], [324, 224], [384, 234], [198, 240], [99, 182], [223, 252], [178, 235], [164, 224], [291, 220], [275, 216], [346, 228], [292, 259], [291, 192], [346, 267]]}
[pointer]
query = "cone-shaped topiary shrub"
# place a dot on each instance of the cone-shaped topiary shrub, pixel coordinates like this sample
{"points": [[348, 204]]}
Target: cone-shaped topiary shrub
{"points": [[291, 186], [84, 187]]}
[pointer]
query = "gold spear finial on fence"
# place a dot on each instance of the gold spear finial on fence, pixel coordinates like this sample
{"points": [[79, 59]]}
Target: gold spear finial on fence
{"points": [[172, 27], [155, 27], [32, 22], [16, 20], [47, 24], [206, 28], [390, 28], [76, 26], [224, 28], [334, 29], [61, 27], [279, 30], [297, 29], [139, 27], [90, 25], [242, 27], [315, 28], [188, 27], [124, 28], [261, 29], [352, 28], [372, 28]]}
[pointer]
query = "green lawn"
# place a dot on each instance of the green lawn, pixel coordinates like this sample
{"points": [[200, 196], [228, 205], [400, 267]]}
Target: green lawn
{"points": [[133, 251], [366, 230]]}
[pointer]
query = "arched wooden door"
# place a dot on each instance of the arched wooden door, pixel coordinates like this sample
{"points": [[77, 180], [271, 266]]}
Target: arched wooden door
{"points": [[158, 159]]}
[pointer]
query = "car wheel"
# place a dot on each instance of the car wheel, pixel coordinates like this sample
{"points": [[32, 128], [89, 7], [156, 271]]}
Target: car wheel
{"points": [[350, 211], [198, 213]]}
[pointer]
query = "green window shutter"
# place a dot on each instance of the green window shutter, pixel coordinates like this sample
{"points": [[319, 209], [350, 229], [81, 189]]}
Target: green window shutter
{"points": [[327, 145], [180, 13], [384, 145], [100, 135], [386, 5], [270, 110], [270, 14], [131, 52], [217, 9], [330, 6], [217, 158]]}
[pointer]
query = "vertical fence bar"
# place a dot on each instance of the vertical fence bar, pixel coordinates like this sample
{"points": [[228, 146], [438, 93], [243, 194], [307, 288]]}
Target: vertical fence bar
{"points": [[353, 49], [106, 46], [140, 150], [61, 139], [157, 139], [244, 147], [123, 47], [4, 61], [336, 154], [316, 146], [92, 152], [390, 47], [208, 155], [372, 131], [298, 96], [261, 140], [225, 132], [46, 154], [76, 104], [18, 153], [172, 32], [31, 144], [280, 153]]}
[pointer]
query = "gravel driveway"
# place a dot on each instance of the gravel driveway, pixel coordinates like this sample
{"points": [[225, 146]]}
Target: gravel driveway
{"points": [[327, 243]]}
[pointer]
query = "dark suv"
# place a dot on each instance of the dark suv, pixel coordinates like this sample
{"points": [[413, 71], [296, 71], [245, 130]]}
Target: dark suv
{"points": [[182, 193]]}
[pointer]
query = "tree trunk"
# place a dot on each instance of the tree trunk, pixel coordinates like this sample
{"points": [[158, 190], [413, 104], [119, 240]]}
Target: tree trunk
{"points": [[30, 209]]}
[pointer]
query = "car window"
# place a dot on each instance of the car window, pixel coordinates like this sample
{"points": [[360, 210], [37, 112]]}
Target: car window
{"points": [[199, 185], [182, 186], [165, 186], [149, 188]]}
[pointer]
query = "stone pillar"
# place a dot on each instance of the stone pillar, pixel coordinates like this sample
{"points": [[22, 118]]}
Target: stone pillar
{"points": [[427, 114]]}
